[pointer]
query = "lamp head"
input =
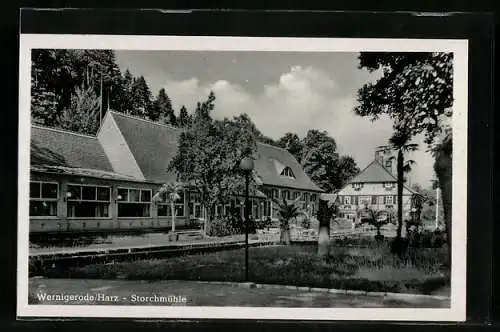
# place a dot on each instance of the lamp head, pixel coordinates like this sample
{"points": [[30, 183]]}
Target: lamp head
{"points": [[246, 164]]}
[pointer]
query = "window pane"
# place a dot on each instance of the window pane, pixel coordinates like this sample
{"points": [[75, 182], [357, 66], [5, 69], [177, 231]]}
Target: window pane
{"points": [[103, 194], [75, 192], [179, 210], [134, 195], [43, 208], [133, 210], [123, 195], [88, 209], [89, 193], [181, 197], [145, 196], [197, 211], [34, 190], [163, 210], [49, 190]]}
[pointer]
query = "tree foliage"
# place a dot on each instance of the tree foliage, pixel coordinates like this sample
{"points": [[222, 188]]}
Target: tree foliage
{"points": [[162, 109], [209, 154], [415, 90], [317, 154], [184, 119], [83, 113], [57, 76]]}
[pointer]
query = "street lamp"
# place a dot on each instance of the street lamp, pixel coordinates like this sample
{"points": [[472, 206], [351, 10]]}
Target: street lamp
{"points": [[246, 166]]}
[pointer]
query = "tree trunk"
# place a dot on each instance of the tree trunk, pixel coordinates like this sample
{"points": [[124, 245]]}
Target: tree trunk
{"points": [[285, 234], [323, 241], [172, 211], [324, 229], [400, 163], [443, 169]]}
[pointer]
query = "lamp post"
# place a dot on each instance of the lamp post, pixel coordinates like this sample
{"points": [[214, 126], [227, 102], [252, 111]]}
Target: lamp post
{"points": [[246, 166], [437, 207]]}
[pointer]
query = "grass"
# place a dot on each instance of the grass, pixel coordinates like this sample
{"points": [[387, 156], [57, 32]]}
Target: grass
{"points": [[367, 268]]}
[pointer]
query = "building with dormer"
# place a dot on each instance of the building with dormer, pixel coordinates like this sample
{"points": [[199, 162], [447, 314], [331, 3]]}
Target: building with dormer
{"points": [[106, 182], [375, 185]]}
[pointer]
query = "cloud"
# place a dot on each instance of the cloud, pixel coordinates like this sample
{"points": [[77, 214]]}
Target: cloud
{"points": [[302, 98]]}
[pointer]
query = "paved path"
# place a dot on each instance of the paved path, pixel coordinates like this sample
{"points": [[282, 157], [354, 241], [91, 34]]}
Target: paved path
{"points": [[135, 241], [152, 240], [119, 292]]}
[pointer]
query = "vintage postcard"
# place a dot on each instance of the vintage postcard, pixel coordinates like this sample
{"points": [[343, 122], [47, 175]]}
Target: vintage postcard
{"points": [[233, 177]]}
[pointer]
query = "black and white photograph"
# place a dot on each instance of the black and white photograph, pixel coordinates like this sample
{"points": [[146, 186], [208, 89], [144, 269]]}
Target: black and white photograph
{"points": [[232, 177]]}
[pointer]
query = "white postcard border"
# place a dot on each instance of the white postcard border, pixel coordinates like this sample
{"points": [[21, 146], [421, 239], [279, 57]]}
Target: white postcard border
{"points": [[457, 310]]}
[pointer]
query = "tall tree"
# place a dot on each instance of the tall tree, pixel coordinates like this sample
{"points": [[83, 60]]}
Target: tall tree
{"points": [[209, 154], [52, 85], [416, 90], [292, 143], [184, 119], [83, 113], [162, 109], [323, 164], [57, 74], [317, 154], [124, 93], [400, 142], [141, 98]]}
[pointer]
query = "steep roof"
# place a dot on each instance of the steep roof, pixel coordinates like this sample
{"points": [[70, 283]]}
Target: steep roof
{"points": [[373, 173], [269, 156], [56, 147], [152, 144]]}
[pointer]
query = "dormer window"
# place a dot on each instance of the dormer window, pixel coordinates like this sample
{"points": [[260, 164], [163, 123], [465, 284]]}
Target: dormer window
{"points": [[357, 186], [388, 164], [287, 171], [388, 185]]}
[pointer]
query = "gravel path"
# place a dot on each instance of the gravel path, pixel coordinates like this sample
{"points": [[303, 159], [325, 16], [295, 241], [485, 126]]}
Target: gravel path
{"points": [[191, 293]]}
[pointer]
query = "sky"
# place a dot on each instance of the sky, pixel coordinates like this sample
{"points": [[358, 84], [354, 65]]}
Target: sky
{"points": [[280, 91]]}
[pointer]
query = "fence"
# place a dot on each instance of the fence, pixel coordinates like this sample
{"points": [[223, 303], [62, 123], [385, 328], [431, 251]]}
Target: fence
{"points": [[298, 234]]}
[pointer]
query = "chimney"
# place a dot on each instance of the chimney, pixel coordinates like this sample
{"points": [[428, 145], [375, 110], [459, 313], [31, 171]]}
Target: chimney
{"points": [[379, 156]]}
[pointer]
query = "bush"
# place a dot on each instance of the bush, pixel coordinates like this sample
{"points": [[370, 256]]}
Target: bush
{"points": [[305, 223], [222, 226], [230, 225], [426, 239], [263, 223]]}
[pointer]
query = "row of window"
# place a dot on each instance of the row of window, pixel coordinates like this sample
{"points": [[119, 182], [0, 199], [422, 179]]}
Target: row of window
{"points": [[88, 201], [375, 199], [386, 185], [291, 195]]}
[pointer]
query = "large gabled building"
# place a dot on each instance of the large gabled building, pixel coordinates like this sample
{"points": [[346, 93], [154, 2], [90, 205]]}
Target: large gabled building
{"points": [[375, 185], [107, 181]]}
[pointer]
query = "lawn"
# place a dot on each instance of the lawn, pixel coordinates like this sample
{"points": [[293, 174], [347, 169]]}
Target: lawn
{"points": [[370, 267]]}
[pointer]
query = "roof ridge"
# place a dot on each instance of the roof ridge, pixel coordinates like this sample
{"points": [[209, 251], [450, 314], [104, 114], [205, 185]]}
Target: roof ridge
{"points": [[133, 117], [364, 169], [385, 169], [273, 146], [63, 131]]}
